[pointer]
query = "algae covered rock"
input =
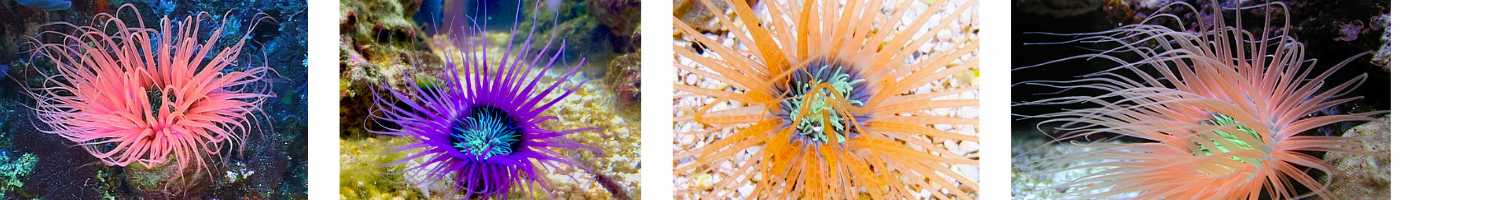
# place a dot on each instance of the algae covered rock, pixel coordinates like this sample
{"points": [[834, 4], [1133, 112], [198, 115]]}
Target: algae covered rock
{"points": [[1359, 176], [164, 178], [621, 16], [13, 169], [379, 44], [625, 77]]}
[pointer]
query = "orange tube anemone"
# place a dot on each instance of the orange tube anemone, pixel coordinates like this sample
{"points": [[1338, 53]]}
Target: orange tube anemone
{"points": [[1219, 109], [825, 100]]}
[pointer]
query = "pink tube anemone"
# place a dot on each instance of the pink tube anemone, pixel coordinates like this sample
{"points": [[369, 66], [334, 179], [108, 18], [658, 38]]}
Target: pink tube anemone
{"points": [[129, 94], [1219, 108]]}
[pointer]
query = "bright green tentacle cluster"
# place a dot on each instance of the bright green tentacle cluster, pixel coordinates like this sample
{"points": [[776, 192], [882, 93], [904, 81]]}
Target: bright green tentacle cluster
{"points": [[486, 134], [1225, 120], [819, 107]]}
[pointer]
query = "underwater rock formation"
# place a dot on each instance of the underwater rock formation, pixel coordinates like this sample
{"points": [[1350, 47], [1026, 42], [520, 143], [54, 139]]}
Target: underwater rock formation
{"points": [[587, 34], [1382, 56], [696, 15], [1363, 176], [621, 16], [625, 77], [160, 178], [379, 44]]}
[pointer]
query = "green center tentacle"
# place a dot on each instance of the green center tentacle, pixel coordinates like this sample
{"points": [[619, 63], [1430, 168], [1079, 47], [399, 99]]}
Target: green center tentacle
{"points": [[486, 133], [1225, 120], [818, 103]]}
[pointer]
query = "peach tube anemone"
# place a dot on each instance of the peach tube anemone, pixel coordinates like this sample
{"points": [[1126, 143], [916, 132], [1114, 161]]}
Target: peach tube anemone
{"points": [[824, 100], [128, 94], [1219, 108]]}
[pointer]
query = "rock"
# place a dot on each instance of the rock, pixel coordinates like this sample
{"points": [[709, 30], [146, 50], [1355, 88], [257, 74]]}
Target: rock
{"points": [[1382, 57], [967, 147], [1357, 176], [945, 35], [624, 74], [158, 182], [379, 43], [587, 36], [1348, 30], [697, 16], [621, 16]]}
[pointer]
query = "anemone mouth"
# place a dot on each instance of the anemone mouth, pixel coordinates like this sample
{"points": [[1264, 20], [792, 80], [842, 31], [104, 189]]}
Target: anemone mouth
{"points": [[1225, 140], [156, 97], [815, 99], [485, 132]]}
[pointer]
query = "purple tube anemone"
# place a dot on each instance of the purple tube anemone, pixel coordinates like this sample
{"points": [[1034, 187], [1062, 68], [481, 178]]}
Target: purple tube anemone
{"points": [[478, 124]]}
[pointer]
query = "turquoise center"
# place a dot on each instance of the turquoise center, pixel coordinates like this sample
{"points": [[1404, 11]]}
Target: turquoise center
{"points": [[486, 133]]}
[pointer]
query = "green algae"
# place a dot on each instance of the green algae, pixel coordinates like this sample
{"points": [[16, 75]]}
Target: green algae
{"points": [[13, 169]]}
